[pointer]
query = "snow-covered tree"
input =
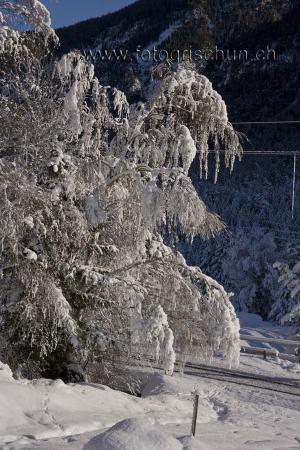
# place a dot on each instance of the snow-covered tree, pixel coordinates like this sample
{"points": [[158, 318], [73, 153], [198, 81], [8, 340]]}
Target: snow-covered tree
{"points": [[246, 266], [287, 307], [89, 187]]}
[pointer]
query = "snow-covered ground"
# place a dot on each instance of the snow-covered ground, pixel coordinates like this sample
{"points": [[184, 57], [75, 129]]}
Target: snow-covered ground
{"points": [[51, 415], [253, 325], [46, 414], [278, 368], [33, 414]]}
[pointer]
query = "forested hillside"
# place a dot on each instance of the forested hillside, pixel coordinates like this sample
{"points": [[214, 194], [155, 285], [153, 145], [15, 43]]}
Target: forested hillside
{"points": [[248, 25], [155, 13]]}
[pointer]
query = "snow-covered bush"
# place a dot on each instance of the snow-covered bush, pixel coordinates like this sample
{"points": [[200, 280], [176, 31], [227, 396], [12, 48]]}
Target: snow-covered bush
{"points": [[89, 185]]}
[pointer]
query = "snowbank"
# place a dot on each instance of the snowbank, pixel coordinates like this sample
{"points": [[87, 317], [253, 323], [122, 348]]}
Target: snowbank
{"points": [[134, 434], [287, 365], [160, 384]]}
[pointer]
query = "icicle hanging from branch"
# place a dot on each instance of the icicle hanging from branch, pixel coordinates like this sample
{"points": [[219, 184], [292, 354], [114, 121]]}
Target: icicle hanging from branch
{"points": [[191, 100]]}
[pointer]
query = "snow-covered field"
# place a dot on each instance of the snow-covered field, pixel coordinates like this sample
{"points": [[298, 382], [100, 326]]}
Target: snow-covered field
{"points": [[46, 414]]}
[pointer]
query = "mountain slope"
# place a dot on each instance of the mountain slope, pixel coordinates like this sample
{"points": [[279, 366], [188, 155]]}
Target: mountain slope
{"points": [[201, 24], [154, 16]]}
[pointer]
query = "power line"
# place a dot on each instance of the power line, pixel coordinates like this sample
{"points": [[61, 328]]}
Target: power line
{"points": [[277, 235], [275, 122], [294, 186], [285, 239], [274, 153], [262, 152], [294, 234]]}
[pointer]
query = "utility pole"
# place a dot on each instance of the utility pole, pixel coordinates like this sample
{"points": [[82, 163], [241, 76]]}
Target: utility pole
{"points": [[294, 186]]}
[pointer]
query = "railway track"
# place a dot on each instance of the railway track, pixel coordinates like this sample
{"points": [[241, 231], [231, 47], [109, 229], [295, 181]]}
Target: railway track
{"points": [[281, 385]]}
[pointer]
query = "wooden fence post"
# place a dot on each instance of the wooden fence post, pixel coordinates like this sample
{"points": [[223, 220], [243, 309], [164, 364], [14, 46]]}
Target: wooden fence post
{"points": [[195, 413]]}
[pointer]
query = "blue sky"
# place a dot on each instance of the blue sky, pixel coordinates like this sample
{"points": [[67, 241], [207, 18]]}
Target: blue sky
{"points": [[67, 12]]}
